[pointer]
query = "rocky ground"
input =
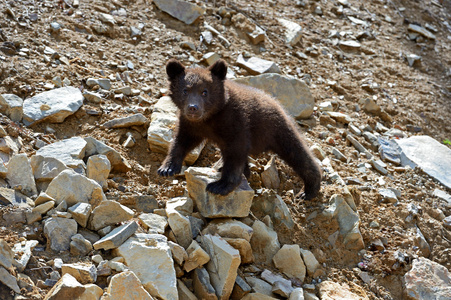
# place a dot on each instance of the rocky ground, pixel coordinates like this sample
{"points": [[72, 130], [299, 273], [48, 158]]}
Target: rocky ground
{"points": [[85, 124]]}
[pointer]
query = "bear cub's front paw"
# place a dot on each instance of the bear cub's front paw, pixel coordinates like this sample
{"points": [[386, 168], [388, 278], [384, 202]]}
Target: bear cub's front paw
{"points": [[169, 169], [220, 187]]}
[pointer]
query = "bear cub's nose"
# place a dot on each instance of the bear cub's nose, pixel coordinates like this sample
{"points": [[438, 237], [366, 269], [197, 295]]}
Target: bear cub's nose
{"points": [[193, 107]]}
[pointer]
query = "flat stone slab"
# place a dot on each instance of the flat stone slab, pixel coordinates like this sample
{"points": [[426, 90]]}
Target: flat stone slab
{"points": [[257, 66], [134, 120], [12, 106], [429, 155], [184, 11], [52, 106], [116, 237], [69, 151], [293, 94], [118, 163]]}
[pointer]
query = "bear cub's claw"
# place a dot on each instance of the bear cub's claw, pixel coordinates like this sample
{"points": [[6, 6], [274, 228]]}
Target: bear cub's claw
{"points": [[169, 170], [220, 187]]}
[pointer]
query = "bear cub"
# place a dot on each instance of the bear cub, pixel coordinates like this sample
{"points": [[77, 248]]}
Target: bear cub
{"points": [[240, 120]]}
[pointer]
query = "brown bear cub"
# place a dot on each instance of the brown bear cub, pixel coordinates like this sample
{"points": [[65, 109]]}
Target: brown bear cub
{"points": [[240, 120]]}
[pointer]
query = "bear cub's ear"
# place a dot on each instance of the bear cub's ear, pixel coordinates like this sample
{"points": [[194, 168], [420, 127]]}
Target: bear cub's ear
{"points": [[174, 68], [219, 69]]}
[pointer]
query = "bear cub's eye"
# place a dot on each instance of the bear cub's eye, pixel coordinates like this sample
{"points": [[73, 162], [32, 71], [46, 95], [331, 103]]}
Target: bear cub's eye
{"points": [[204, 93], [185, 91]]}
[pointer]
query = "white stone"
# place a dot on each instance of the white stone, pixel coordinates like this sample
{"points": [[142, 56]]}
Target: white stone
{"points": [[288, 260], [429, 155], [20, 175], [294, 95], [98, 168], [118, 163], [229, 228], [178, 253], [427, 280], [69, 151], [293, 31], [46, 168], [257, 66], [116, 237], [223, 264], [79, 245], [9, 280], [75, 188], [153, 223], [52, 106], [12, 106], [109, 212], [129, 121], [126, 285], [81, 212], [270, 175], [157, 275], [235, 204], [181, 10]]}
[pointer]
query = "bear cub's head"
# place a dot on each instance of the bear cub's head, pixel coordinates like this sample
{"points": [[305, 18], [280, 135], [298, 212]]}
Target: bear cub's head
{"points": [[199, 93]]}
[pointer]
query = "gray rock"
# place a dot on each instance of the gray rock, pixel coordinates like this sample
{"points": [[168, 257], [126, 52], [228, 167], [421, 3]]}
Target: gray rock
{"points": [[89, 235], [92, 97], [46, 168], [75, 188], [102, 82], [349, 45], [388, 195], [58, 232], [257, 35], [424, 32], [109, 212], [427, 280], [202, 285], [197, 257], [270, 175], [442, 195], [11, 105], [6, 254], [293, 31], [281, 286], [184, 292], [358, 146], [9, 145], [379, 165], [116, 237], [422, 244], [257, 66], [224, 265], [338, 155], [52, 106], [413, 59], [181, 10], [179, 224], [118, 163], [20, 175], [15, 217], [82, 272], [79, 245], [236, 204], [81, 212], [339, 117], [14, 198], [98, 168], [9, 280], [153, 223], [264, 242], [298, 294], [269, 203], [133, 120], [389, 150], [161, 129], [229, 228], [156, 275], [66, 288], [178, 253], [342, 207], [429, 155], [240, 289], [69, 151]]}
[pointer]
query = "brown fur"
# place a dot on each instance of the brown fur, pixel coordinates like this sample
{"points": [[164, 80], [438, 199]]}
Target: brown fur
{"points": [[240, 120]]}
